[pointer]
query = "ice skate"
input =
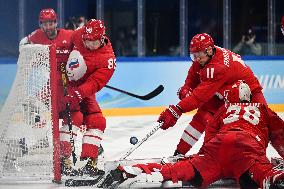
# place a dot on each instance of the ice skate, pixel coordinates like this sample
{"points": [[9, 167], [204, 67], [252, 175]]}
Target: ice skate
{"points": [[67, 169], [91, 168]]}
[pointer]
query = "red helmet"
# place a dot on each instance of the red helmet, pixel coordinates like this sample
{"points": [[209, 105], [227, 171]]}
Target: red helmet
{"points": [[94, 30], [238, 92], [47, 15], [200, 42]]}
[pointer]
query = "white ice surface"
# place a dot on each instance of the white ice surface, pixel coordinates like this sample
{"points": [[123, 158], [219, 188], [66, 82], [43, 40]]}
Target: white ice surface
{"points": [[116, 143]]}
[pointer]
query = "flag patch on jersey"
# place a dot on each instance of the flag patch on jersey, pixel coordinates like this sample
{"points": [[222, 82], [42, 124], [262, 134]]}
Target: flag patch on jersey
{"points": [[74, 63]]}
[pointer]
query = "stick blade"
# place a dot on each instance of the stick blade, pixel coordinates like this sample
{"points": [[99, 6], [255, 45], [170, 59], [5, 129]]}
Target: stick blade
{"points": [[153, 94]]}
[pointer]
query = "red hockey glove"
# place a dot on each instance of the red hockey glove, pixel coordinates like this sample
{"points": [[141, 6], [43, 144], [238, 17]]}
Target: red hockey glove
{"points": [[184, 92], [170, 116], [73, 95]]}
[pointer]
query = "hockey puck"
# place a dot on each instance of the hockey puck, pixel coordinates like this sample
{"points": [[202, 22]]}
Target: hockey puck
{"points": [[133, 140]]}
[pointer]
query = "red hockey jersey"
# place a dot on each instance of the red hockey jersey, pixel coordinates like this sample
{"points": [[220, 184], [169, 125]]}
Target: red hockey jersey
{"points": [[224, 69], [62, 42], [94, 68], [254, 118]]}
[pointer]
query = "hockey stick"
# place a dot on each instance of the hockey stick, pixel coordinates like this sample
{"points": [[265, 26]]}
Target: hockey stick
{"points": [[148, 96], [99, 182], [68, 112], [131, 150]]}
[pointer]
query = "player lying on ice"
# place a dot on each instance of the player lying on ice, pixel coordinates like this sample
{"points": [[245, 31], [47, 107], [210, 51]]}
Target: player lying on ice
{"points": [[234, 147]]}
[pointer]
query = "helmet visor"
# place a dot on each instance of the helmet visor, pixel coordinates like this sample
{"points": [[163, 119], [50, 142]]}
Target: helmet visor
{"points": [[197, 55]]}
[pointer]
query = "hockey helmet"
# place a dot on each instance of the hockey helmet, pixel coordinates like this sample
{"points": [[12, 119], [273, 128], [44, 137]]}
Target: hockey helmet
{"points": [[47, 15], [238, 92], [200, 42], [94, 30]]}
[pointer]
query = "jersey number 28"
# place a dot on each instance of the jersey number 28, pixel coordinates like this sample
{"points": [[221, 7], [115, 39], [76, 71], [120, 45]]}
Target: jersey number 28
{"points": [[251, 114]]}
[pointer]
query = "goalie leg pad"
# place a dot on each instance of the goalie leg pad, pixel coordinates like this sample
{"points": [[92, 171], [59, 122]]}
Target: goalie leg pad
{"points": [[134, 170]]}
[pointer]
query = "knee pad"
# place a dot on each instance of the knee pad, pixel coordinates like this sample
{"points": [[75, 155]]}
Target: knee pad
{"points": [[95, 121]]}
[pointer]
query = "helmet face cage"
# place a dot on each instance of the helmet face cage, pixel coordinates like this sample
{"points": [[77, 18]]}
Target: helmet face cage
{"points": [[239, 92], [200, 42], [94, 30], [244, 92], [47, 15]]}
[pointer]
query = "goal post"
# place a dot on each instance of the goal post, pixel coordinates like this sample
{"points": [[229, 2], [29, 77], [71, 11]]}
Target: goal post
{"points": [[29, 123]]}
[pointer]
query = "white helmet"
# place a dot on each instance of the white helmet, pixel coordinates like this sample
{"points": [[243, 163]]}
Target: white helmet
{"points": [[238, 92]]}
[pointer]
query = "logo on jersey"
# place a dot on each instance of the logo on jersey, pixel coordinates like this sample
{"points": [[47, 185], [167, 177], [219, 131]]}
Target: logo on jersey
{"points": [[74, 63], [89, 30], [76, 66]]}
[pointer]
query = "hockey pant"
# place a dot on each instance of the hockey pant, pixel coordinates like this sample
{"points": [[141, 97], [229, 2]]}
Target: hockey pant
{"points": [[95, 124]]}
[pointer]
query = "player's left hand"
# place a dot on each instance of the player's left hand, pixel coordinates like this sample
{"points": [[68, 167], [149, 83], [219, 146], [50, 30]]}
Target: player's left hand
{"points": [[73, 95], [170, 116]]}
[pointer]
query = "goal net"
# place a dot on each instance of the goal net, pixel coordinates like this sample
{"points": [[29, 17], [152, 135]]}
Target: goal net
{"points": [[29, 136]]}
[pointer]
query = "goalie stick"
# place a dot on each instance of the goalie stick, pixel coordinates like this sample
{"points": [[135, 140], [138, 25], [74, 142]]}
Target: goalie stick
{"points": [[99, 181], [148, 96]]}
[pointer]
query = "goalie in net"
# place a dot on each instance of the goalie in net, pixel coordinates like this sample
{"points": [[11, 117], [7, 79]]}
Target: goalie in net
{"points": [[234, 147]]}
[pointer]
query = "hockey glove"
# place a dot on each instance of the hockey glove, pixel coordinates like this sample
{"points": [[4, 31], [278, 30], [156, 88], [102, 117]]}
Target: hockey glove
{"points": [[73, 95], [184, 92], [170, 116]]}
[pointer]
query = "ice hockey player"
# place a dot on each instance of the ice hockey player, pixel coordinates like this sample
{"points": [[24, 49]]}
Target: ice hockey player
{"points": [[49, 34], [213, 68], [90, 66], [234, 147]]}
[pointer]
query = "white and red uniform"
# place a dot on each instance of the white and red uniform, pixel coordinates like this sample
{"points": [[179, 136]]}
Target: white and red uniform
{"points": [[235, 142], [89, 71], [224, 69]]}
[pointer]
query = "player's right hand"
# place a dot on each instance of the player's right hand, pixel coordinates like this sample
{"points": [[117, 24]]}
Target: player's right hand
{"points": [[169, 117], [184, 92], [73, 95]]}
